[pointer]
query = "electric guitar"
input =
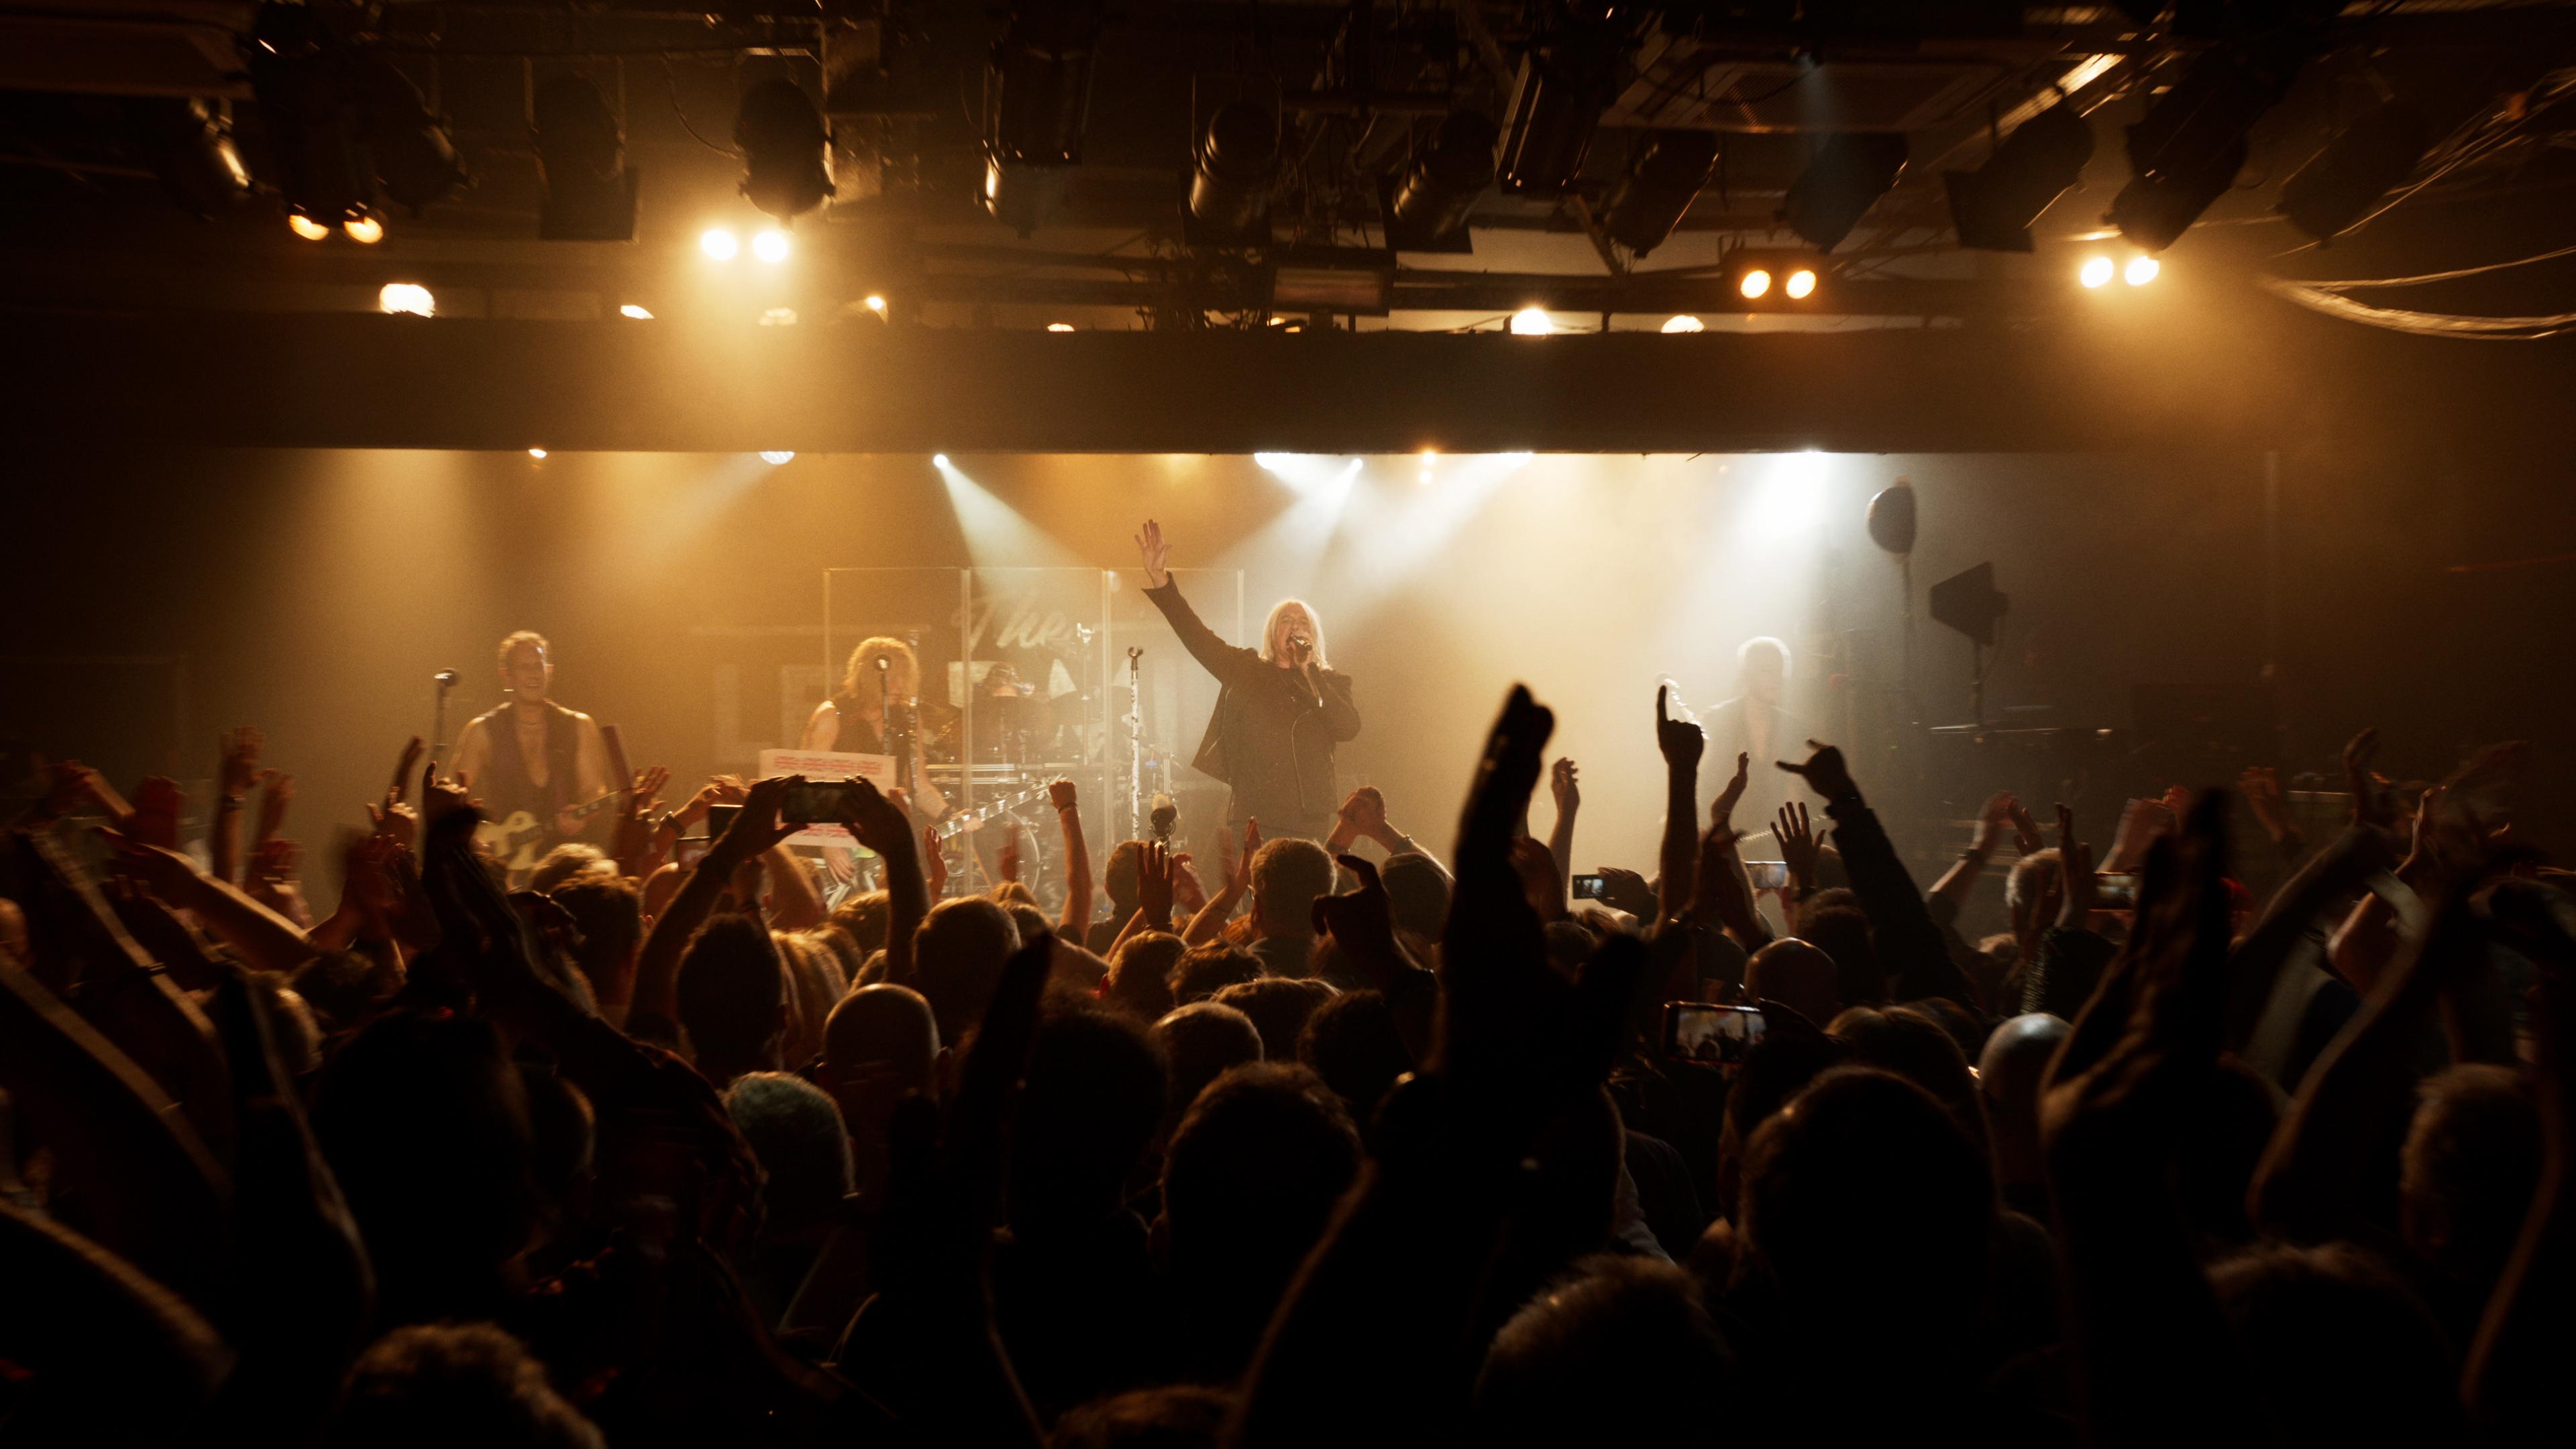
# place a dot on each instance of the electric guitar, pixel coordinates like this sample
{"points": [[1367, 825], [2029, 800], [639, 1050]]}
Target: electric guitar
{"points": [[515, 839]]}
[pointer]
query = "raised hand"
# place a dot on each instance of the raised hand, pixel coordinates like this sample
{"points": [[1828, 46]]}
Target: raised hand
{"points": [[396, 822], [1626, 890], [1992, 820], [1239, 878], [1540, 881], [1364, 810], [276, 792], [2075, 874], [1361, 922], [1799, 847], [157, 805], [756, 829], [1825, 773], [879, 823], [441, 797], [2026, 836], [2261, 787], [934, 862], [237, 761], [75, 785], [1061, 795], [1157, 555], [1681, 741], [1564, 784], [1721, 814], [403, 766], [1154, 886], [1006, 861], [1189, 897]]}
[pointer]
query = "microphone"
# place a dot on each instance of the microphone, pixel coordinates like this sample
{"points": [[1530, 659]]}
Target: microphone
{"points": [[1163, 816], [444, 679], [1301, 643]]}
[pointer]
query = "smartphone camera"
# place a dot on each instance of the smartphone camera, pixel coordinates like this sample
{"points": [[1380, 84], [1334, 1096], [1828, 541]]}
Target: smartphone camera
{"points": [[830, 801], [1591, 888], [2115, 891], [1768, 875], [1695, 1031]]}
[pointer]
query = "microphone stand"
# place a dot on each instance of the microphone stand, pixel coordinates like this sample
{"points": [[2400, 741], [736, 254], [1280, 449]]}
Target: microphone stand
{"points": [[1135, 744], [445, 679]]}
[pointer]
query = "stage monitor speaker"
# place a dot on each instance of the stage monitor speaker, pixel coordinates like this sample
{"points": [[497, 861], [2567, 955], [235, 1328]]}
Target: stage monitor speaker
{"points": [[1968, 603]]}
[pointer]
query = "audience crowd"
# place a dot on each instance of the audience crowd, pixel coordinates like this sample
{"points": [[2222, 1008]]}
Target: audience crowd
{"points": [[1344, 1144]]}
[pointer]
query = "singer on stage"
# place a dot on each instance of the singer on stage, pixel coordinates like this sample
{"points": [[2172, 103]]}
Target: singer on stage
{"points": [[1280, 709]]}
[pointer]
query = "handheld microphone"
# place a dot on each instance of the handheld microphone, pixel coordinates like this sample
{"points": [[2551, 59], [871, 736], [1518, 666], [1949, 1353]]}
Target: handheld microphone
{"points": [[1301, 643], [1164, 815], [444, 679]]}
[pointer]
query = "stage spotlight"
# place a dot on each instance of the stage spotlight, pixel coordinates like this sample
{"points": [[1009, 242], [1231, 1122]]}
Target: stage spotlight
{"points": [[770, 245], [633, 310], [1531, 322], [581, 154], [2339, 183], [786, 150], [939, 460], [190, 143], [409, 299], [1754, 284], [719, 243], [414, 156], [1684, 323], [537, 453], [306, 227], [1430, 202], [1059, 326], [1849, 174], [363, 229], [1664, 177], [2185, 152], [1037, 91], [874, 303], [2140, 271], [776, 457], [2095, 272], [1231, 166], [1565, 83], [1801, 285], [301, 80], [1994, 205]]}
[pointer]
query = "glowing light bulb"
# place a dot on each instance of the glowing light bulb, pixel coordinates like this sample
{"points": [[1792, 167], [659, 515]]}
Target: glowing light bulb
{"points": [[1531, 322], [1059, 326], [874, 303], [1754, 284], [770, 245], [306, 227], [364, 229], [719, 243], [409, 299], [634, 311], [1684, 324], [2141, 270], [537, 453], [775, 456], [2095, 272], [1802, 284], [939, 460]]}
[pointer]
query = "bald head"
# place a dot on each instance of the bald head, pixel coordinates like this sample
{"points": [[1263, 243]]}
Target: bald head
{"points": [[1797, 975], [884, 1027], [2009, 1075]]}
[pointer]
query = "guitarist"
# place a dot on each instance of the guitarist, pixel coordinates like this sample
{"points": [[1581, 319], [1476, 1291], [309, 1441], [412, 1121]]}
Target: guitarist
{"points": [[532, 754]]}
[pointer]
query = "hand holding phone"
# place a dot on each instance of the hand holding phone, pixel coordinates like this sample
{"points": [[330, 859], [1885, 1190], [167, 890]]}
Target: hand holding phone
{"points": [[1591, 888], [1695, 1031]]}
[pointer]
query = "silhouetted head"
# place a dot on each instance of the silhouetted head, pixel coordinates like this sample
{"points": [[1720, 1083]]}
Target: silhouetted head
{"points": [[2009, 1075], [864, 919], [1617, 1351], [1140, 974], [1093, 1098], [1199, 1042], [2342, 1351], [1352, 1043], [433, 1386], [1249, 1181], [1287, 875], [732, 993], [1842, 933], [1205, 970], [1118, 878], [795, 1131], [609, 914], [2471, 1163], [1762, 669], [1178, 1416], [1796, 974], [958, 954], [1279, 1006], [1904, 1040]]}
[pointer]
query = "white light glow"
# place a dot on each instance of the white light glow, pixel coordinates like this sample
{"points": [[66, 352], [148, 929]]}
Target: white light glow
{"points": [[1684, 324], [771, 245], [2140, 271], [774, 457], [939, 460], [364, 229], [408, 299], [1790, 499], [875, 303], [634, 311], [1059, 326], [778, 317], [306, 227], [719, 243], [537, 453], [1531, 322], [2095, 272], [1802, 284], [1754, 283]]}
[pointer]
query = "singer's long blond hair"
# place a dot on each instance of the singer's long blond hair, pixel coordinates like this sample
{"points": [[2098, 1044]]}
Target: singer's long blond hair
{"points": [[863, 666], [1278, 616]]}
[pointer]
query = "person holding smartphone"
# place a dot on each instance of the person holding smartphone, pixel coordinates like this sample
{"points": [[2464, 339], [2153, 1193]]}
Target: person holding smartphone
{"points": [[1280, 710]]}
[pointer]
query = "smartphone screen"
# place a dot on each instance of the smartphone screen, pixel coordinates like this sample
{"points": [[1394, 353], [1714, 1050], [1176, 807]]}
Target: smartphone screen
{"points": [[827, 800], [720, 820], [1698, 1032], [1768, 875], [1591, 888]]}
